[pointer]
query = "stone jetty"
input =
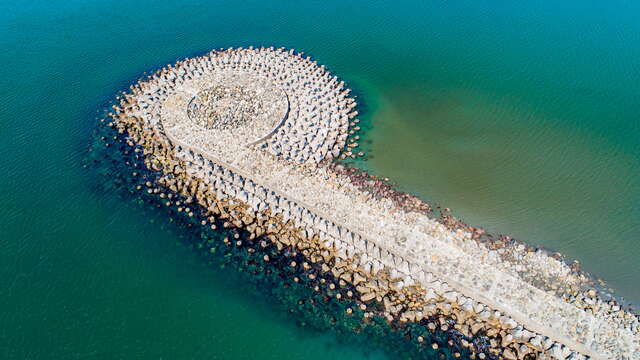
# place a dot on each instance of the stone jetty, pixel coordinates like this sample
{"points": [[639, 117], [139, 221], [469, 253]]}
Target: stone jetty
{"points": [[249, 135]]}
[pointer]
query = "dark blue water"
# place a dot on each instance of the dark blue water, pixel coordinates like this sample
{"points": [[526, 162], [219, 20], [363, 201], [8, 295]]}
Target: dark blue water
{"points": [[520, 116]]}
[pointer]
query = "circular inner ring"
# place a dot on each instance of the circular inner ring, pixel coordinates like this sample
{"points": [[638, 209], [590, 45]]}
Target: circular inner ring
{"points": [[225, 107]]}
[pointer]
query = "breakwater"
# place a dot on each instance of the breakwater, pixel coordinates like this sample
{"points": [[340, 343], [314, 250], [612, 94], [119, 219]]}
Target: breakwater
{"points": [[248, 135]]}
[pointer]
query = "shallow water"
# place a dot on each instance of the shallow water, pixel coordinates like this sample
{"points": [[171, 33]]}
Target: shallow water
{"points": [[521, 118]]}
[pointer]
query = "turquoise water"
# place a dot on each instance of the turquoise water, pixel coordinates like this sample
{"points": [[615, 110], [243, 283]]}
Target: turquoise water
{"points": [[521, 117]]}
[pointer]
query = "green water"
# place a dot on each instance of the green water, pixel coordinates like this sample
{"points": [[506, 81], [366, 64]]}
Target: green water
{"points": [[520, 117]]}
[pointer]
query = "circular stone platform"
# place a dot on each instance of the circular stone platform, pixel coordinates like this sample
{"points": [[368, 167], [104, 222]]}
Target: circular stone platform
{"points": [[279, 101]]}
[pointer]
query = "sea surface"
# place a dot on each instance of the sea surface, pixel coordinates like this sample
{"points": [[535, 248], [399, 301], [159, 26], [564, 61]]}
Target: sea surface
{"points": [[521, 116]]}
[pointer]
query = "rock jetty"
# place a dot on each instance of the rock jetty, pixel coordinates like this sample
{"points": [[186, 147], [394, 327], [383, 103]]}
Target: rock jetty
{"points": [[248, 136]]}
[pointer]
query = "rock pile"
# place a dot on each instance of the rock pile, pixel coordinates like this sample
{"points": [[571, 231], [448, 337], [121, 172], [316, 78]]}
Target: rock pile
{"points": [[222, 107]]}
